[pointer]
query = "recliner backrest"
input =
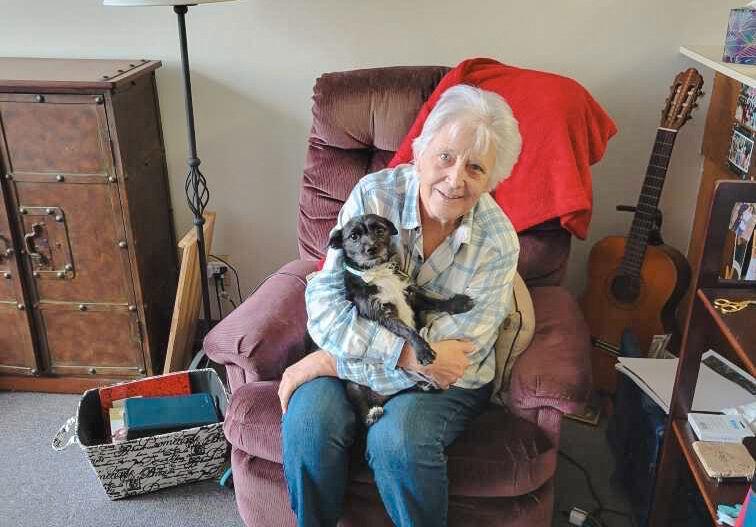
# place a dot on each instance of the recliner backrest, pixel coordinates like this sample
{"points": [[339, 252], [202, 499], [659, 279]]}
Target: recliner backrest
{"points": [[359, 120]]}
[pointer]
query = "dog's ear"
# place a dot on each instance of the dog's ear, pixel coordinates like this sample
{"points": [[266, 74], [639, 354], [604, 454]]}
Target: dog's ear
{"points": [[390, 227], [337, 240]]}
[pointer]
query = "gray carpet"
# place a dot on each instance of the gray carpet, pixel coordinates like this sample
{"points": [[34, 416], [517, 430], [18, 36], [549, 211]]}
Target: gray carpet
{"points": [[44, 488]]}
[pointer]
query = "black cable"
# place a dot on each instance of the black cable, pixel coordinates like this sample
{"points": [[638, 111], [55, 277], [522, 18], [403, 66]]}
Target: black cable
{"points": [[595, 516], [587, 478], [226, 296], [236, 274], [218, 278]]}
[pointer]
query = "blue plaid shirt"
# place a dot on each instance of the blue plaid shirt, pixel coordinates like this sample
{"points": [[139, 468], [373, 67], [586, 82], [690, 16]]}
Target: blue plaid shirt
{"points": [[478, 259]]}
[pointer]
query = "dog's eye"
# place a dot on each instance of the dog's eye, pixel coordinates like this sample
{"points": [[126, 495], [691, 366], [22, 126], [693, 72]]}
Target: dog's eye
{"points": [[354, 236], [380, 231]]}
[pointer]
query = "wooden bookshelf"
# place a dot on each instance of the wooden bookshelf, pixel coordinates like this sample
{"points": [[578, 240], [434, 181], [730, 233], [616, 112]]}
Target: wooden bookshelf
{"points": [[731, 334], [713, 492], [737, 328]]}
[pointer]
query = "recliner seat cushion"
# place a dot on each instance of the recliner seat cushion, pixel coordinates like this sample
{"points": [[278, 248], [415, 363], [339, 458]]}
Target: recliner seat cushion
{"points": [[499, 455]]}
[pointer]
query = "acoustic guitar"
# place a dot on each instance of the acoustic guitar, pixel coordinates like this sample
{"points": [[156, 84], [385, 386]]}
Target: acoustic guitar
{"points": [[636, 282]]}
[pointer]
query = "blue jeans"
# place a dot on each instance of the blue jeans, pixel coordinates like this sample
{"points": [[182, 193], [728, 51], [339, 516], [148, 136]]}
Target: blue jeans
{"points": [[405, 450]]}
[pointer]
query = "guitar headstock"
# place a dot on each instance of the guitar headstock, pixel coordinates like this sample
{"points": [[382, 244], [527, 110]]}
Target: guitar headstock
{"points": [[683, 93]]}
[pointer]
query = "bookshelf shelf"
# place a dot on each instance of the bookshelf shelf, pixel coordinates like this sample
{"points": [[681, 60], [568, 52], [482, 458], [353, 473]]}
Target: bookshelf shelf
{"points": [[737, 328], [713, 492], [733, 335]]}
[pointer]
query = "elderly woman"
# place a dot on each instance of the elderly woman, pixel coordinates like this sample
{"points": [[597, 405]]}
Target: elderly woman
{"points": [[453, 238]]}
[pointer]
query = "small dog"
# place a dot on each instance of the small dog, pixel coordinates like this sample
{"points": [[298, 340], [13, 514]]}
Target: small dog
{"points": [[381, 292]]}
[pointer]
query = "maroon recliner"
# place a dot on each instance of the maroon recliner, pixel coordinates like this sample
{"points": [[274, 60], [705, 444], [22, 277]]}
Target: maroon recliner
{"points": [[501, 469]]}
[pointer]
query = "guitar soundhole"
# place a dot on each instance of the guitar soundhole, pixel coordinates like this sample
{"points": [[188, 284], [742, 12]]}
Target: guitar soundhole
{"points": [[626, 288]]}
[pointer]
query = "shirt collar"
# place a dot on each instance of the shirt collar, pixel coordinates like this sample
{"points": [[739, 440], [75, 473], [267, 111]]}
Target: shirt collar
{"points": [[411, 211], [463, 232]]}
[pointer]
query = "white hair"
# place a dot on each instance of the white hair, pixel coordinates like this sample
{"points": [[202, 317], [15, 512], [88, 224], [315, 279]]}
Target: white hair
{"points": [[490, 118]]}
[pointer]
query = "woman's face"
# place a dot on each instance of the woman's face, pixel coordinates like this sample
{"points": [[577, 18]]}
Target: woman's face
{"points": [[452, 177]]}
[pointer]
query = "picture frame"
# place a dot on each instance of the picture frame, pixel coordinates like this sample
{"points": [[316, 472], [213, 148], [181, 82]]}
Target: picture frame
{"points": [[745, 111], [740, 154], [739, 255]]}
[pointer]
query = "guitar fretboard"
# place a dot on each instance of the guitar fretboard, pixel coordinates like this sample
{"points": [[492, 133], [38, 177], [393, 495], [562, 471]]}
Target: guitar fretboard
{"points": [[648, 202]]}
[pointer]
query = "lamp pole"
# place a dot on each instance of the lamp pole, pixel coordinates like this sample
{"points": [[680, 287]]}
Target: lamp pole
{"points": [[197, 193]]}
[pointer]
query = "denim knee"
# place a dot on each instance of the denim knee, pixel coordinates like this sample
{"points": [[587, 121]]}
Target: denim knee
{"points": [[402, 442], [319, 416]]}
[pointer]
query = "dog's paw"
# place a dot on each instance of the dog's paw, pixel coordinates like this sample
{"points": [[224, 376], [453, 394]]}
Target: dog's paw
{"points": [[375, 413], [460, 304], [425, 354]]}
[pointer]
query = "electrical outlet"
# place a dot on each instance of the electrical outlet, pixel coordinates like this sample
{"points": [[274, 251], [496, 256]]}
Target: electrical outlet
{"points": [[227, 276], [215, 267]]}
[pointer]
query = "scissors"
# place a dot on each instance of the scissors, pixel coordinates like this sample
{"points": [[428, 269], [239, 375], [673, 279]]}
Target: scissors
{"points": [[731, 306]]}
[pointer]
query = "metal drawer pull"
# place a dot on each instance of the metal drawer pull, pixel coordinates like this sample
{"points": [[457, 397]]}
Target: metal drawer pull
{"points": [[7, 251], [31, 248]]}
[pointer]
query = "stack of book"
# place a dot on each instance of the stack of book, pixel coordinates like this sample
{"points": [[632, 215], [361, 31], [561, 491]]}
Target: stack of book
{"points": [[139, 416], [150, 408]]}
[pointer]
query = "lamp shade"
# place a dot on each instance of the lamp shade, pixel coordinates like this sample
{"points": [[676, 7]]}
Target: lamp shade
{"points": [[143, 3]]}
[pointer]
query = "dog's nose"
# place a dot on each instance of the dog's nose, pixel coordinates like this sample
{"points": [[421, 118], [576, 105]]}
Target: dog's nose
{"points": [[372, 251]]}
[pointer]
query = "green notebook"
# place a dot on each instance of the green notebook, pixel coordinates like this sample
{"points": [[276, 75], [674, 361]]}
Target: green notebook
{"points": [[147, 416]]}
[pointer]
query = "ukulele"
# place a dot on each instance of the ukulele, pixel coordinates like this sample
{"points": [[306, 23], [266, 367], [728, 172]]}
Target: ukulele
{"points": [[636, 282]]}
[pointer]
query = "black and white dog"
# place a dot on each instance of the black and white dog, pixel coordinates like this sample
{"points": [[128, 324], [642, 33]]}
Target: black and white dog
{"points": [[381, 292]]}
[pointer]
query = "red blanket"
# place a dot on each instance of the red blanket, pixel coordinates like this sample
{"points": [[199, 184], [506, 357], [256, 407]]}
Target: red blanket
{"points": [[563, 129]]}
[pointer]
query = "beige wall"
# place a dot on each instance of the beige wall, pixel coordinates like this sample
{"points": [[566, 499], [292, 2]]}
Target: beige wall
{"points": [[254, 63]]}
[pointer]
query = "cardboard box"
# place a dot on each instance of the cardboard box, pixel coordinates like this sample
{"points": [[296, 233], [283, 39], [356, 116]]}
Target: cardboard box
{"points": [[740, 47], [150, 463]]}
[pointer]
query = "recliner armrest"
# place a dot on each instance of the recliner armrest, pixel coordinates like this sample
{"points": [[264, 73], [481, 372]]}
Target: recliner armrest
{"points": [[265, 333], [555, 370]]}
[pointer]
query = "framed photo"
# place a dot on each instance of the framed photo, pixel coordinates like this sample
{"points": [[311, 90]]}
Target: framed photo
{"points": [[745, 111], [739, 258], [741, 150]]}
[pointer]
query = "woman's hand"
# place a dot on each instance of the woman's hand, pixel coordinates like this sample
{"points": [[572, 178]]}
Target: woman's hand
{"points": [[451, 361], [317, 364]]}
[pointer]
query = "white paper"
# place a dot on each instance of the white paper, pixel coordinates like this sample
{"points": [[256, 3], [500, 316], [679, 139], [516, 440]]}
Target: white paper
{"points": [[656, 377], [719, 427]]}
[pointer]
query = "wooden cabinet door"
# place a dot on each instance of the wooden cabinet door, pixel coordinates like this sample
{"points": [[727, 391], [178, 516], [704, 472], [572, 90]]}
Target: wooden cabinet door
{"points": [[76, 250], [16, 344]]}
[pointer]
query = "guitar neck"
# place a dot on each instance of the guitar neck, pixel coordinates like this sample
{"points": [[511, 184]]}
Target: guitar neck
{"points": [[648, 202]]}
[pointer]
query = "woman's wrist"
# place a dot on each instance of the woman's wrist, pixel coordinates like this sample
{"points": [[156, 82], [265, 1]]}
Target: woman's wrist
{"points": [[327, 364], [407, 359]]}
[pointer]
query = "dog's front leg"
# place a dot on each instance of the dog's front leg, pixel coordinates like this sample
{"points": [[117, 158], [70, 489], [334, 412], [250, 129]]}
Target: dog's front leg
{"points": [[421, 301], [388, 319]]}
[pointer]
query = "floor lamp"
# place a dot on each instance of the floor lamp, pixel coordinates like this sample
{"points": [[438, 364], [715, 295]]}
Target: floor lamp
{"points": [[197, 193]]}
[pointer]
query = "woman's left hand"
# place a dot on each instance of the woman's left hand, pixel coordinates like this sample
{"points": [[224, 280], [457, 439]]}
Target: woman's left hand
{"points": [[317, 364]]}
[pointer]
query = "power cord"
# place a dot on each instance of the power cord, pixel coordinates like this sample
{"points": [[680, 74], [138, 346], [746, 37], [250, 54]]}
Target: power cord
{"points": [[236, 274], [224, 295], [218, 279], [593, 518]]}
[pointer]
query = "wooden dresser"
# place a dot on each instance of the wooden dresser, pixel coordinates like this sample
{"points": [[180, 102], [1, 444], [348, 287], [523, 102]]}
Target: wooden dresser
{"points": [[88, 266]]}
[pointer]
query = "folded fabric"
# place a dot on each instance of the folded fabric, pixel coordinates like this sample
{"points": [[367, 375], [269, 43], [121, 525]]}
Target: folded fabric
{"points": [[564, 131]]}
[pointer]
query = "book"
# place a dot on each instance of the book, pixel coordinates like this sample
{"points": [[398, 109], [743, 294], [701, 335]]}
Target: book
{"points": [[117, 429], [719, 427], [591, 414], [725, 460], [171, 384], [146, 416]]}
